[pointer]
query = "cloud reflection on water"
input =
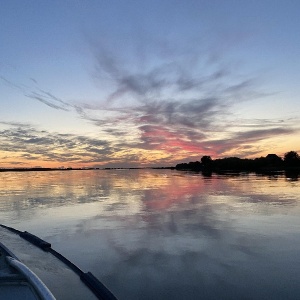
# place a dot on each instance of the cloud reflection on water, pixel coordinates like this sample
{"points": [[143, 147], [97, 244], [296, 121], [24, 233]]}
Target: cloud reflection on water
{"points": [[156, 234]]}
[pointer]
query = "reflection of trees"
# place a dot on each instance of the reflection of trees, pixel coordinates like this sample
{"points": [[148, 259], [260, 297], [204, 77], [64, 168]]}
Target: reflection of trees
{"points": [[292, 174]]}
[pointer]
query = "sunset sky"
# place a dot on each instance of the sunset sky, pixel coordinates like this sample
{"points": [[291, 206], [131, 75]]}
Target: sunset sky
{"points": [[147, 83]]}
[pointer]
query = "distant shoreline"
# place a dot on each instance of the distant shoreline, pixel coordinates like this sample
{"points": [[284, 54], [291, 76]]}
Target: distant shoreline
{"points": [[34, 169], [218, 171], [77, 169]]}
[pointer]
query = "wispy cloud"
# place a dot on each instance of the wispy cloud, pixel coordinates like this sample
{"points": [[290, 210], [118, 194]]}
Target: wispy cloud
{"points": [[36, 93], [49, 99]]}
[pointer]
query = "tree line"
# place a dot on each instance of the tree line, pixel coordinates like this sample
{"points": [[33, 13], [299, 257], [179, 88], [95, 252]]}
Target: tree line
{"points": [[272, 162]]}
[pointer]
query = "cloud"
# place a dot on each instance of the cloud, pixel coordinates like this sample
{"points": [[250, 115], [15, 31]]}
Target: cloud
{"points": [[34, 92], [159, 76], [12, 84], [49, 99], [26, 142], [255, 135]]}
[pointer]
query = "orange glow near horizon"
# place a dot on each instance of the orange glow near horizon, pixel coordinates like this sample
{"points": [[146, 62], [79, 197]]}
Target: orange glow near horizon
{"points": [[149, 146]]}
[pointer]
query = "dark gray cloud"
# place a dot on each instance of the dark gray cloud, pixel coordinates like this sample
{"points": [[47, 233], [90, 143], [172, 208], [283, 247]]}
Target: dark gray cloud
{"points": [[255, 135], [186, 74]]}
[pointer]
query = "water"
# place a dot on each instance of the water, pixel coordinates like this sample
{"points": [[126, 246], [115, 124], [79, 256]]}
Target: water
{"points": [[162, 234]]}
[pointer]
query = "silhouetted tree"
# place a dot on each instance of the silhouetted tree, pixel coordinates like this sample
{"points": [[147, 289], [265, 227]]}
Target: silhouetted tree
{"points": [[273, 159], [292, 159], [193, 166], [206, 160]]}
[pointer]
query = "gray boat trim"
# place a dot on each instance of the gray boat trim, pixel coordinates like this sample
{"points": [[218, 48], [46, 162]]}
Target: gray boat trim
{"points": [[97, 287]]}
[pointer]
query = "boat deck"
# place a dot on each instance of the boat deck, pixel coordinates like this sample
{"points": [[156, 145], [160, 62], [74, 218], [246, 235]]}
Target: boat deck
{"points": [[57, 276]]}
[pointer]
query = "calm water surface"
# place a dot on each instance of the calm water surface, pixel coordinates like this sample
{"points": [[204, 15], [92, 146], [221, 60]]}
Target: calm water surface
{"points": [[162, 234]]}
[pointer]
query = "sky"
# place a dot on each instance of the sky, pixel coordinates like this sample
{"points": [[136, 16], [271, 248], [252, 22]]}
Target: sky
{"points": [[147, 83]]}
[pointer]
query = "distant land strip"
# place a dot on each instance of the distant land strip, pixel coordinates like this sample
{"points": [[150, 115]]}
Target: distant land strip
{"points": [[74, 169]]}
